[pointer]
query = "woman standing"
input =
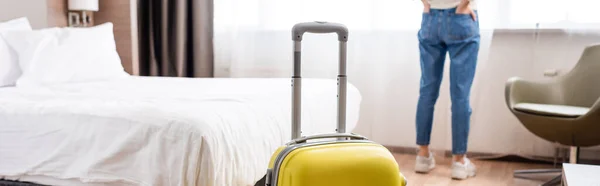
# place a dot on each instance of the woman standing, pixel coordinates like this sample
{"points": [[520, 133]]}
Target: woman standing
{"points": [[448, 26]]}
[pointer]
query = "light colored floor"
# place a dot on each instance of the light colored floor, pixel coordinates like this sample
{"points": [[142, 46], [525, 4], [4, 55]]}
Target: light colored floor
{"points": [[489, 173]]}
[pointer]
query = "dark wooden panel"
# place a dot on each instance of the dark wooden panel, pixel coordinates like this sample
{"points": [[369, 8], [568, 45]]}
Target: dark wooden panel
{"points": [[119, 13]]}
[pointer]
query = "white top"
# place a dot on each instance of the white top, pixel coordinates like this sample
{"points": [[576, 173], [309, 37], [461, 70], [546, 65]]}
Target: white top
{"points": [[446, 4]]}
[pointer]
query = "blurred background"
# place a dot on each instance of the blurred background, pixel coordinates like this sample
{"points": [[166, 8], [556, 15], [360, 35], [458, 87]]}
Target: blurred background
{"points": [[525, 38]]}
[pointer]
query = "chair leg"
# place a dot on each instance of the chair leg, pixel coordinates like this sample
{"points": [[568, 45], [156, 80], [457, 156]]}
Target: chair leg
{"points": [[574, 155], [573, 158], [523, 173], [537, 171], [554, 181], [556, 152], [564, 155]]}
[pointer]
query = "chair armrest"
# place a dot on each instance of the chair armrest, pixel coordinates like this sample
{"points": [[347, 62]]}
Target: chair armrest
{"points": [[594, 110], [518, 90]]}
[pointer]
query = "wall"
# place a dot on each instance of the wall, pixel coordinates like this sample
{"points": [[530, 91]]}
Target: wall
{"points": [[35, 10], [41, 13]]}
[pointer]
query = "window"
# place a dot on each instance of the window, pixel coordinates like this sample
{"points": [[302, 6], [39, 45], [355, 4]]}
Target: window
{"points": [[282, 14], [554, 13], [401, 14]]}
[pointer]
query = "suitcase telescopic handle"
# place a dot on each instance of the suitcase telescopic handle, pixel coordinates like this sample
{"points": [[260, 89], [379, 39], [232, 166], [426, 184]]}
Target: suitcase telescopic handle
{"points": [[297, 33], [319, 27], [324, 136]]}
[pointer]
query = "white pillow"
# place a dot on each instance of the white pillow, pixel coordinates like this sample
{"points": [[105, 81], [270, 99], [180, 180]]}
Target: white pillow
{"points": [[66, 55], [9, 65]]}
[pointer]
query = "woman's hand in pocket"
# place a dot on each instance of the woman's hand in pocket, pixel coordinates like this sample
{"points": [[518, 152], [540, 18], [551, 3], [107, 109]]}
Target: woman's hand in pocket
{"points": [[426, 6], [464, 8]]}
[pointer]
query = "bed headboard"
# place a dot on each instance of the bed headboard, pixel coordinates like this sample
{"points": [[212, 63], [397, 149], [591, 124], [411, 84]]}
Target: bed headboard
{"points": [[51, 13]]}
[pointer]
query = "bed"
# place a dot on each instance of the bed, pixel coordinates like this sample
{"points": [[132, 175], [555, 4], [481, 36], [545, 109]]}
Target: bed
{"points": [[71, 115], [157, 130]]}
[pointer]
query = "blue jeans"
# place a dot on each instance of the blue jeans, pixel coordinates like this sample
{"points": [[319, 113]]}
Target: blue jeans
{"points": [[442, 30]]}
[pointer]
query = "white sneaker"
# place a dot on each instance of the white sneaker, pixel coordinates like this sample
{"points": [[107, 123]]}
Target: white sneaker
{"points": [[424, 164], [463, 171]]}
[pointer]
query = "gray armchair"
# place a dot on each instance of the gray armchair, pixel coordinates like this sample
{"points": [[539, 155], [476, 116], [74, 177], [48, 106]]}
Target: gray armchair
{"points": [[564, 110]]}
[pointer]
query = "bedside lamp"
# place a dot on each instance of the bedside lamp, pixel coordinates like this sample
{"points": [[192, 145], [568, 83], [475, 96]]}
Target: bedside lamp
{"points": [[80, 12]]}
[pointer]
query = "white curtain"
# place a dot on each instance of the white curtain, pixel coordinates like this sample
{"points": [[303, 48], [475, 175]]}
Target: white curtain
{"points": [[253, 39]]}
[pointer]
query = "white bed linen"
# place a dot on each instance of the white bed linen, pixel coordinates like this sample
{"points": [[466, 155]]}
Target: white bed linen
{"points": [[157, 131]]}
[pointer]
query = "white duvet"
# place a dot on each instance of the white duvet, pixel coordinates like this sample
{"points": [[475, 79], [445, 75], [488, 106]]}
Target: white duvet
{"points": [[157, 131]]}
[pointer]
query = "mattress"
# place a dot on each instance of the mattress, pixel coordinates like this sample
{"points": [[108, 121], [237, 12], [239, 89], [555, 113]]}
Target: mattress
{"points": [[157, 130]]}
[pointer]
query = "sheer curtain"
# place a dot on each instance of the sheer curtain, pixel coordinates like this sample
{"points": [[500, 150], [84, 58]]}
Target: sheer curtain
{"points": [[253, 39]]}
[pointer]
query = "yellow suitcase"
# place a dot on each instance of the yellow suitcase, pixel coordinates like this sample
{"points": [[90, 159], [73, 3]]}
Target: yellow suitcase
{"points": [[337, 159]]}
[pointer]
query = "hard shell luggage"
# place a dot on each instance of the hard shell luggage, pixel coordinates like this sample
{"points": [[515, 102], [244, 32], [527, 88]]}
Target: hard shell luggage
{"points": [[336, 159]]}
